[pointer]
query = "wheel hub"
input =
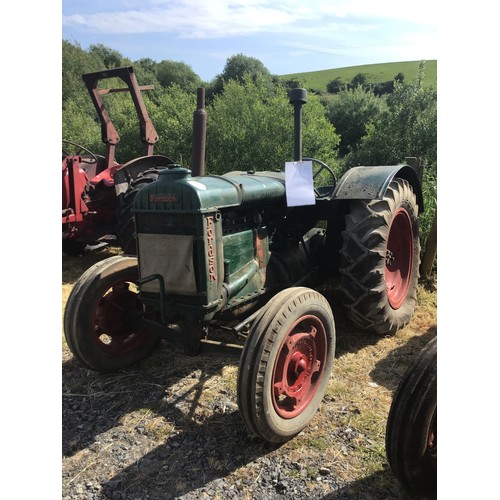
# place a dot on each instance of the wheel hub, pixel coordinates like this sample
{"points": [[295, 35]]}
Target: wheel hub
{"points": [[114, 333], [299, 366], [389, 258]]}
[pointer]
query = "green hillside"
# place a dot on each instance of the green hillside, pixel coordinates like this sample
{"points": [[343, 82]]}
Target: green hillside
{"points": [[375, 73]]}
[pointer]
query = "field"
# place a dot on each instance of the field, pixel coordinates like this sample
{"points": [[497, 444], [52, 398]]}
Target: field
{"points": [[172, 423], [375, 73]]}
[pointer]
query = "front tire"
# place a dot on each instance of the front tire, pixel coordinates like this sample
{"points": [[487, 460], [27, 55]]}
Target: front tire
{"points": [[380, 260], [411, 432], [286, 364], [97, 319]]}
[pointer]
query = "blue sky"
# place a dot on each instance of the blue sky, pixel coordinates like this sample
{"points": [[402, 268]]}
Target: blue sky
{"points": [[288, 36]]}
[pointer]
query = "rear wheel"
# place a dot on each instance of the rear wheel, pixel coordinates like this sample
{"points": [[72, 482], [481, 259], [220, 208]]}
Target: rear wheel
{"points": [[380, 260], [98, 317], [286, 364], [411, 433], [125, 217]]}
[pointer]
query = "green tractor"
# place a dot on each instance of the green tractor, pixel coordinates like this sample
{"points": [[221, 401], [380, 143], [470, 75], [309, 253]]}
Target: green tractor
{"points": [[221, 255]]}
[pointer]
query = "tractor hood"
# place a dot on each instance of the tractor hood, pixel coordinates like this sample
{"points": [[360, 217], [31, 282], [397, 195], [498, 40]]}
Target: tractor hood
{"points": [[176, 190]]}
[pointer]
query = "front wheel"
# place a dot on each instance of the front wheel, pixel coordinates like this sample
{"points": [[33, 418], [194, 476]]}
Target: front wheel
{"points": [[286, 364], [380, 260], [98, 317]]}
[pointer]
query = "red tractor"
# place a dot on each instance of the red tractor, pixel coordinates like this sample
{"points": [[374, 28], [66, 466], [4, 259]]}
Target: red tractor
{"points": [[97, 192]]}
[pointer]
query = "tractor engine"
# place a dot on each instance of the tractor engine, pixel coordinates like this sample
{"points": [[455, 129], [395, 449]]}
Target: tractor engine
{"points": [[218, 244]]}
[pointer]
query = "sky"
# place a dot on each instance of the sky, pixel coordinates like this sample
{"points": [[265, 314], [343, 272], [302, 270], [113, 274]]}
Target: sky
{"points": [[287, 36]]}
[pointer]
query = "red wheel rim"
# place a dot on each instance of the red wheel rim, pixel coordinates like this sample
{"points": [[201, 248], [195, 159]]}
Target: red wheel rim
{"points": [[399, 258], [113, 333], [299, 366]]}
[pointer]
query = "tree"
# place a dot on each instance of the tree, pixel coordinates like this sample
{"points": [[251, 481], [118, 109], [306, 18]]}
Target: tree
{"points": [[249, 128], [237, 68], [81, 127], [350, 113], [359, 79], [145, 71], [147, 64], [239, 65], [409, 128], [335, 85], [110, 58], [173, 119], [382, 88], [290, 84], [399, 77], [75, 62], [175, 72]]}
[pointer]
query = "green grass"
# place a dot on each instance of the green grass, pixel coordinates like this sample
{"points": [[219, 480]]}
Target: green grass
{"points": [[375, 73]]}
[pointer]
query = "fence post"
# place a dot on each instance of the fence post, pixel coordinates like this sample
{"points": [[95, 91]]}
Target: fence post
{"points": [[430, 250]]}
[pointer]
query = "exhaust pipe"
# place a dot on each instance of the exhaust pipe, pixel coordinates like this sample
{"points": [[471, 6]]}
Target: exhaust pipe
{"points": [[199, 135], [298, 97]]}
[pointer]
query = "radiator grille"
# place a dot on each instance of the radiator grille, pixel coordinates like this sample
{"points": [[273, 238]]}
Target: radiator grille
{"points": [[171, 256]]}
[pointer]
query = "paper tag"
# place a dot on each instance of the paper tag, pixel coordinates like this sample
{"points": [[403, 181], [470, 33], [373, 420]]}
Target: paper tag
{"points": [[299, 183]]}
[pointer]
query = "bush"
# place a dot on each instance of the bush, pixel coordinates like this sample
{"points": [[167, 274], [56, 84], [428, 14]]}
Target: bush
{"points": [[250, 127]]}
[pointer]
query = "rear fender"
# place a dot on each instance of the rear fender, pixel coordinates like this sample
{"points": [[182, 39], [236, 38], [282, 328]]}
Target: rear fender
{"points": [[106, 177], [133, 168], [369, 183]]}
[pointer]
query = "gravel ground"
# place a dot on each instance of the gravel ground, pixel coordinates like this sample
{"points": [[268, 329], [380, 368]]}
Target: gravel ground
{"points": [[171, 429]]}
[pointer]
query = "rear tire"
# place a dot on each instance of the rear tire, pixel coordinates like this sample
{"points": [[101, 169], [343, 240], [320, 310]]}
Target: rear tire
{"points": [[411, 432], [98, 317], [380, 260], [286, 363], [125, 227]]}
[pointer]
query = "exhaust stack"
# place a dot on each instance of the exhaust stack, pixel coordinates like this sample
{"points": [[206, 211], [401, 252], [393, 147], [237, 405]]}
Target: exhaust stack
{"points": [[298, 97], [199, 135]]}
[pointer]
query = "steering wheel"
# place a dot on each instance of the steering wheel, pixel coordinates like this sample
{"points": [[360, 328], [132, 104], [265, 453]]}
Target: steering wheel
{"points": [[79, 150], [331, 175]]}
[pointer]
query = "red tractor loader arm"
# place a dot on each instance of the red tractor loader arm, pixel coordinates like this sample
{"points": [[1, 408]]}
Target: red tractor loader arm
{"points": [[110, 136], [92, 202]]}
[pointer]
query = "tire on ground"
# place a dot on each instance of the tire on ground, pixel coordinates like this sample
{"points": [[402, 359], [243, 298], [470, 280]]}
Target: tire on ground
{"points": [[286, 364], [411, 431], [380, 258], [98, 317]]}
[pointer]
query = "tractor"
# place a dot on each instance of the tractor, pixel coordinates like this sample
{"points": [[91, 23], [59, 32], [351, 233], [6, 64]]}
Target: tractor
{"points": [[97, 192], [228, 263]]}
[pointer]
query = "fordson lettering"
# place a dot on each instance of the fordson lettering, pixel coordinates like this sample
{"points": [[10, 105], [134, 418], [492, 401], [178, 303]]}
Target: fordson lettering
{"points": [[162, 198], [211, 252]]}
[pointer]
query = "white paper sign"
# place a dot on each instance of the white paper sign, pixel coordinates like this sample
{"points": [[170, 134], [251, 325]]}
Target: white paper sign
{"points": [[299, 183]]}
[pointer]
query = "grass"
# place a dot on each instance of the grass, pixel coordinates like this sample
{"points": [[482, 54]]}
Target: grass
{"points": [[375, 73], [347, 435]]}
